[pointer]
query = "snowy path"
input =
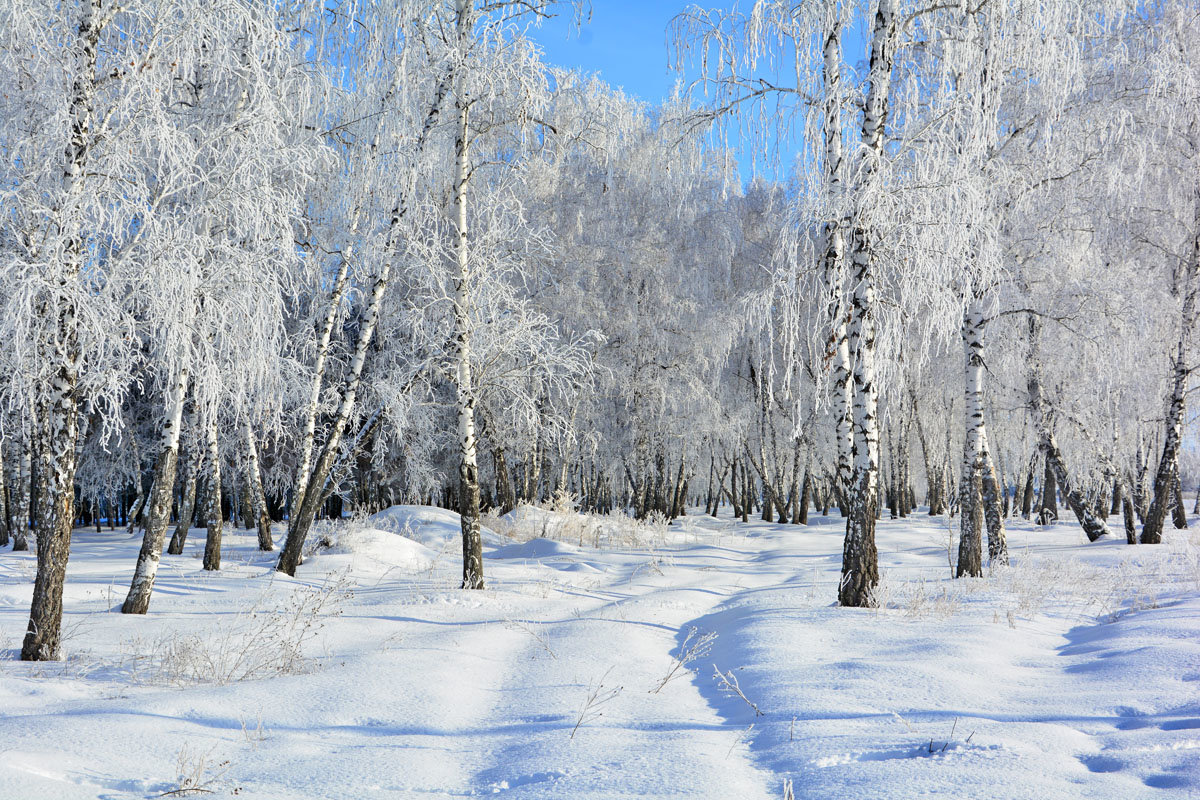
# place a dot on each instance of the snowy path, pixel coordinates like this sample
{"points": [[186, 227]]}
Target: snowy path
{"points": [[1018, 680]]}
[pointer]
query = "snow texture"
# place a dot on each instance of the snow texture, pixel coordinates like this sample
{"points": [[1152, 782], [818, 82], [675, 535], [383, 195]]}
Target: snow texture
{"points": [[1072, 673]]}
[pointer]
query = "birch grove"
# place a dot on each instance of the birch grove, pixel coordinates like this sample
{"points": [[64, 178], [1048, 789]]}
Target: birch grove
{"points": [[299, 262]]}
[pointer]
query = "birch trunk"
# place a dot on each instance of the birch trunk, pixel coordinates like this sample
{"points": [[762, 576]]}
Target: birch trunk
{"points": [[21, 524], [1048, 510], [5, 516], [254, 485], [306, 502], [970, 548], [835, 242], [139, 498], [860, 558], [1168, 464], [56, 513], [314, 397], [187, 507], [505, 496], [138, 599], [213, 515], [805, 496], [1130, 521], [61, 349], [468, 467], [1092, 525], [1179, 512], [1027, 497], [976, 456]]}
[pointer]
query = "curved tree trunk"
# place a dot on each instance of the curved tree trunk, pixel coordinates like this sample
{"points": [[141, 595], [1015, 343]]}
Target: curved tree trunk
{"points": [[1093, 526], [310, 487]]}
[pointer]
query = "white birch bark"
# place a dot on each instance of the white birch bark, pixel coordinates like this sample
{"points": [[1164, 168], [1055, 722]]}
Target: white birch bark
{"points": [[976, 458], [5, 515], [60, 348], [1168, 464], [23, 492], [860, 558], [305, 510], [835, 241], [138, 599], [318, 380], [468, 469]]}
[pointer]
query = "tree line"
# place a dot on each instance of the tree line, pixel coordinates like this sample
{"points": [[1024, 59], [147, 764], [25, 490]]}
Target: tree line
{"points": [[270, 262]]}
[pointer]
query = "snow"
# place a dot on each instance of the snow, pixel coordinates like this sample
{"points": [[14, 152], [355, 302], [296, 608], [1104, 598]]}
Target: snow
{"points": [[1072, 673]]}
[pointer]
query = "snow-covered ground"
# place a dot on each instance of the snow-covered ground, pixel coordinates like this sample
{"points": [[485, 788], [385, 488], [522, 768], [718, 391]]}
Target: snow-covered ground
{"points": [[591, 672]]}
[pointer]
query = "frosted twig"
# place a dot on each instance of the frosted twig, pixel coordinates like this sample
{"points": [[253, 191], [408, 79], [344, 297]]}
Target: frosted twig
{"points": [[597, 697], [728, 683], [694, 647]]}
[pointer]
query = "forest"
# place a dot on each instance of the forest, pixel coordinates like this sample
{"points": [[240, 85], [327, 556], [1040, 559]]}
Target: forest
{"points": [[272, 267]]}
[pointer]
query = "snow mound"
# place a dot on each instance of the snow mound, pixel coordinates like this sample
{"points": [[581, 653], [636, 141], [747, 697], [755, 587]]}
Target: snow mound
{"points": [[527, 515], [535, 548], [383, 547], [438, 529]]}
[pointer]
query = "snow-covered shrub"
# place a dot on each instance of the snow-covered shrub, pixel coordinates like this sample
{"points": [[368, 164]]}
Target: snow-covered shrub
{"points": [[563, 524], [262, 643]]}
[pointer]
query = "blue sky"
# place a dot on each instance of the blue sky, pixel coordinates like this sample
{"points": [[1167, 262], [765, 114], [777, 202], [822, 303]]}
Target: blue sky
{"points": [[625, 41]]}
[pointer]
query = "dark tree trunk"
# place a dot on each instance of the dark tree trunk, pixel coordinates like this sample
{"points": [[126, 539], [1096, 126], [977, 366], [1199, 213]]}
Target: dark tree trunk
{"points": [[213, 516], [971, 520], [1179, 513], [505, 496], [1048, 510], [187, 508], [1027, 496], [805, 497], [1130, 523]]}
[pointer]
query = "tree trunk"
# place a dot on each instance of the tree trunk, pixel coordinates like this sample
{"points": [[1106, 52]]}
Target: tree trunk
{"points": [[187, 506], [1092, 525], [20, 529], [1164, 479], [137, 601], [1027, 498], [1168, 465], [468, 469], [1179, 512], [1048, 510], [993, 515], [213, 512], [58, 402], [254, 486], [139, 498], [970, 549], [505, 496], [309, 489], [860, 559], [838, 350], [5, 517], [1130, 522]]}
